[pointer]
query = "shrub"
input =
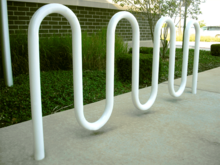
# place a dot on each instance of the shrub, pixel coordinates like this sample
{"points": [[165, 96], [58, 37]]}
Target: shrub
{"points": [[19, 58], [56, 52], [144, 50], [94, 50], [215, 49], [124, 68]]}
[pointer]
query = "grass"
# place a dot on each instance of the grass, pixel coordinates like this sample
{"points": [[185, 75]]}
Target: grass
{"points": [[57, 88], [94, 50], [56, 52], [56, 91], [206, 62]]}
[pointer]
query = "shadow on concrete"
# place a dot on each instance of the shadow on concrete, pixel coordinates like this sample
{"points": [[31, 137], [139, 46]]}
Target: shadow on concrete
{"points": [[173, 100], [82, 133]]}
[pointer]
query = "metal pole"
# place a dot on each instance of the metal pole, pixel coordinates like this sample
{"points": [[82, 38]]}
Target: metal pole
{"points": [[185, 62], [6, 53]]}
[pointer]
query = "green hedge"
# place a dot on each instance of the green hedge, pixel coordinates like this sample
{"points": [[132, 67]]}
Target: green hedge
{"points": [[144, 50], [215, 49], [55, 54], [124, 68]]}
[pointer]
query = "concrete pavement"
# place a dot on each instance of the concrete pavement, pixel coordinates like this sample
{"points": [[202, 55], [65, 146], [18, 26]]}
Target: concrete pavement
{"points": [[143, 43], [207, 81], [175, 131]]}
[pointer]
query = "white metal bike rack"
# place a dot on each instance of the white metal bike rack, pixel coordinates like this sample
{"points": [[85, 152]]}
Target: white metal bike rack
{"points": [[34, 67]]}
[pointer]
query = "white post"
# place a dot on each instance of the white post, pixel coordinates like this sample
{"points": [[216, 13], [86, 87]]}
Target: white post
{"points": [[196, 54], [6, 54]]}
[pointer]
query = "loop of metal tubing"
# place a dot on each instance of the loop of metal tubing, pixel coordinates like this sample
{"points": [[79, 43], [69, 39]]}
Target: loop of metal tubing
{"points": [[135, 59], [34, 68], [110, 52], [185, 59], [155, 67]]}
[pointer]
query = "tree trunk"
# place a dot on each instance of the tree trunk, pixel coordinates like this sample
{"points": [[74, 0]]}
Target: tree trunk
{"points": [[184, 23], [179, 30]]}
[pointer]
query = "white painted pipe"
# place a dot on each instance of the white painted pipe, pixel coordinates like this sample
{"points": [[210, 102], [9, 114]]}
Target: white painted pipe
{"points": [[110, 70], [6, 52], [155, 67], [135, 60], [185, 59], [196, 53], [34, 68]]}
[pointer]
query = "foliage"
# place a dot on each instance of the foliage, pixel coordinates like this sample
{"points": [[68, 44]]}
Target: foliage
{"points": [[57, 88], [206, 62], [56, 91], [144, 50], [94, 50], [150, 8], [155, 8], [215, 49], [191, 8], [124, 68], [56, 52], [202, 23]]}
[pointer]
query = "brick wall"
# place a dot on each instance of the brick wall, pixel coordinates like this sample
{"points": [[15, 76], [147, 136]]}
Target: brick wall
{"points": [[91, 20]]}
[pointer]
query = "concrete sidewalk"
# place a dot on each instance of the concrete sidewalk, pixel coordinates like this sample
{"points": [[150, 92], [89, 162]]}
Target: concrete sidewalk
{"points": [[175, 131], [207, 81]]}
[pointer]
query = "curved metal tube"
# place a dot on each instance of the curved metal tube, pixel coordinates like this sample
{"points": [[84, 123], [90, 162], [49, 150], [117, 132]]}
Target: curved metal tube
{"points": [[155, 69], [110, 51], [135, 60], [34, 68], [185, 61]]}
